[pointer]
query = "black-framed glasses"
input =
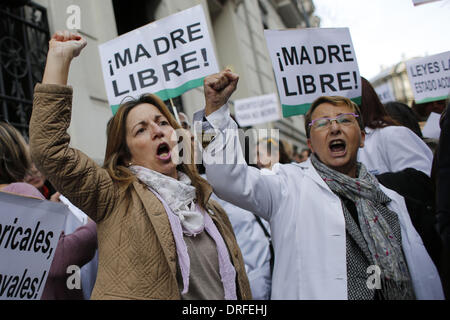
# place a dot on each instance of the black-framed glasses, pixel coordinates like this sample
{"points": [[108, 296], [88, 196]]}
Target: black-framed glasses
{"points": [[344, 119]]}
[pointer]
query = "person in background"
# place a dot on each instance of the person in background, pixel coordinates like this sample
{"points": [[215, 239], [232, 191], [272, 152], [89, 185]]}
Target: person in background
{"points": [[442, 182], [159, 235], [407, 117], [305, 153], [184, 121], [389, 147], [404, 115], [15, 163], [253, 237], [401, 161], [75, 249], [271, 152], [37, 179], [330, 219]]}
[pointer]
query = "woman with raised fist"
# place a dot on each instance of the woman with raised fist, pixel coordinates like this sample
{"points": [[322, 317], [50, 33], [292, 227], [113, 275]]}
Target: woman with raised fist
{"points": [[159, 235]]}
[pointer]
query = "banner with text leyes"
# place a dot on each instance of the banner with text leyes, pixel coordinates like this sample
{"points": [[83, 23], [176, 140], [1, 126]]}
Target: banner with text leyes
{"points": [[313, 62], [29, 233], [430, 77], [255, 110], [166, 57]]}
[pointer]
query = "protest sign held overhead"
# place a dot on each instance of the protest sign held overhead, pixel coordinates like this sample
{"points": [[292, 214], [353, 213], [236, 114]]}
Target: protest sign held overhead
{"points": [[257, 110], [385, 92], [166, 57], [430, 77], [29, 233], [309, 63]]}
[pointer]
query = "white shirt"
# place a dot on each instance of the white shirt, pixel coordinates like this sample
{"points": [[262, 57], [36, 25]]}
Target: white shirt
{"points": [[394, 148], [254, 246], [306, 220]]}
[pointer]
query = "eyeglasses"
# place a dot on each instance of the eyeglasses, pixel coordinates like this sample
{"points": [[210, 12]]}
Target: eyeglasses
{"points": [[345, 119]]}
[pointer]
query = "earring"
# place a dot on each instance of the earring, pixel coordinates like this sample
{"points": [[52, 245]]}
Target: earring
{"points": [[130, 163]]}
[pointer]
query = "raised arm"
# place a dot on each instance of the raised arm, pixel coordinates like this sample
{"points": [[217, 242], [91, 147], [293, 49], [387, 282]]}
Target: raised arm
{"points": [[63, 47], [226, 170], [75, 175]]}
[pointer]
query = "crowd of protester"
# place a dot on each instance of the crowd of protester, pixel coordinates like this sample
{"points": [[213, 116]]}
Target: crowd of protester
{"points": [[367, 191]]}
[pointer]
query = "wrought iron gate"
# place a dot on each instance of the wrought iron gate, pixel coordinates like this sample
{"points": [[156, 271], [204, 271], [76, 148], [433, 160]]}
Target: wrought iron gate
{"points": [[24, 36]]}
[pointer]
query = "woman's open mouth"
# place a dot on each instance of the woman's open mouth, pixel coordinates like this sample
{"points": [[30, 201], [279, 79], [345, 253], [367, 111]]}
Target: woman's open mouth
{"points": [[163, 151], [337, 148]]}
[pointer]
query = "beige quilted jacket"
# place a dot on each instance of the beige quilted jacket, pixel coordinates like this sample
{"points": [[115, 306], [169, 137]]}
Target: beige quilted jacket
{"points": [[137, 256]]}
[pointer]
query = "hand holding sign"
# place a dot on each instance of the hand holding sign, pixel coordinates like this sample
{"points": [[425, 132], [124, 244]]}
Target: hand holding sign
{"points": [[218, 89], [63, 47]]}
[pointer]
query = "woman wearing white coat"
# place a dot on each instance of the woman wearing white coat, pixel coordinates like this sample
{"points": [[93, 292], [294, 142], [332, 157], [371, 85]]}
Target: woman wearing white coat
{"points": [[315, 257], [389, 147]]}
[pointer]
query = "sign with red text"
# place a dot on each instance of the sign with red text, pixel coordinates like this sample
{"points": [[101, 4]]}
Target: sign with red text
{"points": [[313, 62], [430, 77], [166, 57], [29, 233]]}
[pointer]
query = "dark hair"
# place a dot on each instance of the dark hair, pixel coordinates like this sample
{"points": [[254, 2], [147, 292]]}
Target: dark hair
{"points": [[284, 153], [307, 150], [15, 160], [404, 115], [335, 101], [117, 152], [373, 112]]}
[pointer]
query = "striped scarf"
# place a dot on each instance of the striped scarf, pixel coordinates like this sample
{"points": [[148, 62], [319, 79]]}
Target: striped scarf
{"points": [[384, 248]]}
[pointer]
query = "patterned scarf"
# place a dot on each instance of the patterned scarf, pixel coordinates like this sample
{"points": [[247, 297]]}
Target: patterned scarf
{"points": [[384, 248], [179, 195]]}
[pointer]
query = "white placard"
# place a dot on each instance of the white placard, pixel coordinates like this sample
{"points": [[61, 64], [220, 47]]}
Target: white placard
{"points": [[432, 128], [255, 110], [385, 92], [430, 77], [29, 233], [166, 57], [313, 62]]}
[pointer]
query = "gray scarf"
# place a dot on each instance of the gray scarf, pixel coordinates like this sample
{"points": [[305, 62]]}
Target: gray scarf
{"points": [[384, 248]]}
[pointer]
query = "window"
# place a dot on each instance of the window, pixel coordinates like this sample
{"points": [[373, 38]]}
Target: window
{"points": [[24, 36]]}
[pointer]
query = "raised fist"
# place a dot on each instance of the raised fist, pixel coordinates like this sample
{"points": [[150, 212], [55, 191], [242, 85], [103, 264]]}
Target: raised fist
{"points": [[66, 44], [218, 89]]}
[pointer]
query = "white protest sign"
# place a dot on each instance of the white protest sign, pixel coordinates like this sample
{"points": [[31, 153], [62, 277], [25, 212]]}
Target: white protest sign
{"points": [[255, 110], [309, 63], [385, 92], [430, 77], [29, 233], [166, 57], [417, 2], [432, 128]]}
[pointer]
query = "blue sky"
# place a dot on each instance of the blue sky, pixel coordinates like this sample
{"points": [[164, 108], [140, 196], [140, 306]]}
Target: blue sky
{"points": [[385, 31]]}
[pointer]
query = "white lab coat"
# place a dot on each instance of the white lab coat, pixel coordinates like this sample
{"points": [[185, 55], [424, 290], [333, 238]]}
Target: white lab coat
{"points": [[394, 148], [254, 246], [306, 220]]}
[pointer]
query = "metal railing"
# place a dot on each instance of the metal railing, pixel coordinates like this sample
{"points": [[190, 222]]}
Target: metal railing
{"points": [[24, 36]]}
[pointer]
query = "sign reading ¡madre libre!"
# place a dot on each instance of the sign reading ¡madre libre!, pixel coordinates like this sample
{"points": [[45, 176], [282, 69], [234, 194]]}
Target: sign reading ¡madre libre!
{"points": [[29, 233], [309, 63], [166, 57]]}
